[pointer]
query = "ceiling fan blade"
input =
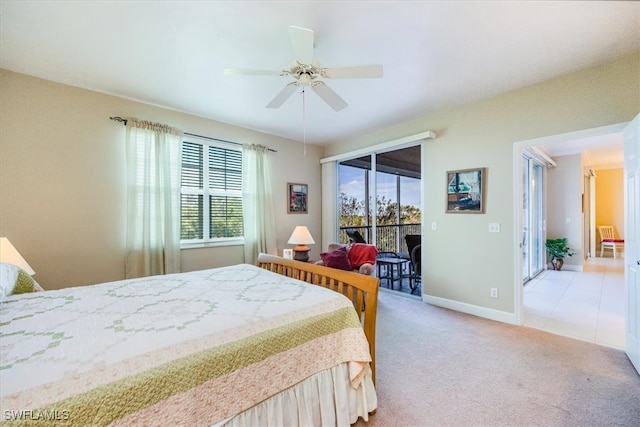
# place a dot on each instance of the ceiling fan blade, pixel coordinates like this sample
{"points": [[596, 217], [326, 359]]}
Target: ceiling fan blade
{"points": [[302, 43], [246, 72], [283, 95], [329, 96], [358, 72]]}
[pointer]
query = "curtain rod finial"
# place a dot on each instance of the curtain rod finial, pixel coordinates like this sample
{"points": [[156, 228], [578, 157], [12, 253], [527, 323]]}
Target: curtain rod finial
{"points": [[118, 119]]}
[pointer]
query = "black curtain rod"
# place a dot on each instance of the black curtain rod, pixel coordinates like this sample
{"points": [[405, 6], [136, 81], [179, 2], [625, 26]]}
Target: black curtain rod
{"points": [[124, 121]]}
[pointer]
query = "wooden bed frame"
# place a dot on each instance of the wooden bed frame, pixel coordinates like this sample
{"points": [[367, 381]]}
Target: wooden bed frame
{"points": [[360, 289]]}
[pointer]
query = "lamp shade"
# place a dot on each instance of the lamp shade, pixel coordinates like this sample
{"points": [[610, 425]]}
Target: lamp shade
{"points": [[301, 236], [10, 255]]}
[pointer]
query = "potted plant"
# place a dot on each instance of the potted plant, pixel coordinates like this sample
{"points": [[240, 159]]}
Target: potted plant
{"points": [[557, 250]]}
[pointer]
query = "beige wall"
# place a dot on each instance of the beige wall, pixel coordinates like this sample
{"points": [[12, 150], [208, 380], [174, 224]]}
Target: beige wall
{"points": [[564, 205], [462, 260], [62, 180], [610, 200]]}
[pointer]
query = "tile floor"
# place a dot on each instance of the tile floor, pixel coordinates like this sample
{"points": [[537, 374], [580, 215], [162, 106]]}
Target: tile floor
{"points": [[587, 305]]}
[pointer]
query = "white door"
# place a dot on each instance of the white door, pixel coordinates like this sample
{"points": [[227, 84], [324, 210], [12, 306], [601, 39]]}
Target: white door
{"points": [[632, 239]]}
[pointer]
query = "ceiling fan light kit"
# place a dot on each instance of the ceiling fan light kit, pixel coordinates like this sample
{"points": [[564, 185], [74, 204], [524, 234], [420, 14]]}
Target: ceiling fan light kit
{"points": [[305, 71]]}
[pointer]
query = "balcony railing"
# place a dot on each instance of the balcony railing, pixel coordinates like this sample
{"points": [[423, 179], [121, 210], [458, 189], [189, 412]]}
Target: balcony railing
{"points": [[388, 237]]}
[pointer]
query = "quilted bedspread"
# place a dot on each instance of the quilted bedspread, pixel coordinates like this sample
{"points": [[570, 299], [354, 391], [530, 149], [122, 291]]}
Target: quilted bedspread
{"points": [[168, 350]]}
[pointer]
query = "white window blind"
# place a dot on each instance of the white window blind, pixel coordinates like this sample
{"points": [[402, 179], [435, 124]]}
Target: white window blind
{"points": [[211, 192]]}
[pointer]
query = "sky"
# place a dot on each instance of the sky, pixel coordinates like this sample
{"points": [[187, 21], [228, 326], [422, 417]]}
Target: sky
{"points": [[351, 182]]}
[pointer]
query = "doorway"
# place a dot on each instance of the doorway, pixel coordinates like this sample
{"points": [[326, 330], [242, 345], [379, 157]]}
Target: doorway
{"points": [[566, 144]]}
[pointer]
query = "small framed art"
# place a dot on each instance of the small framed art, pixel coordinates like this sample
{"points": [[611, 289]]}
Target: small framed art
{"points": [[298, 198], [466, 190]]}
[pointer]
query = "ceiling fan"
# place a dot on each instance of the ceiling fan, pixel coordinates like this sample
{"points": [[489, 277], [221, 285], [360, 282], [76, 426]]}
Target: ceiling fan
{"points": [[306, 71]]}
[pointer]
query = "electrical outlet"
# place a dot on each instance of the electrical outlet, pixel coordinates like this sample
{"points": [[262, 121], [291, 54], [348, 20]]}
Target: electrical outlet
{"points": [[494, 227], [494, 292]]}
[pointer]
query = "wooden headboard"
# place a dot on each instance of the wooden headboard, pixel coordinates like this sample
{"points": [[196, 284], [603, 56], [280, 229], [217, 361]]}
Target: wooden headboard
{"points": [[360, 289]]}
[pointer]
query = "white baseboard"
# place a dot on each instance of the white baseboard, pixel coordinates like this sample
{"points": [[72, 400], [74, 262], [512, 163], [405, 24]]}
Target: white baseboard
{"points": [[572, 267], [569, 267], [487, 313]]}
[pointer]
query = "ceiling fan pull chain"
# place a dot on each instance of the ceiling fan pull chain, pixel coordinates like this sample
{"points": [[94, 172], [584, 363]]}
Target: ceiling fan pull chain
{"points": [[304, 124]]}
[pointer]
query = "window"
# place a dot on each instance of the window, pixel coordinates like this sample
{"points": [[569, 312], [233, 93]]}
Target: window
{"points": [[211, 192]]}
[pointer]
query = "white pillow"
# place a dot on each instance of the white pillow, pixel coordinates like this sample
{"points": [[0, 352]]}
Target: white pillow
{"points": [[13, 279], [8, 276]]}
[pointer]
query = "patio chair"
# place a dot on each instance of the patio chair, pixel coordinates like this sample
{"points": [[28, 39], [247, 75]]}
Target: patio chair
{"points": [[414, 244], [416, 266], [355, 236]]}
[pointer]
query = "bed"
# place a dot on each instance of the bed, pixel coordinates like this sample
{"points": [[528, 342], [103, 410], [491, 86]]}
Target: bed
{"points": [[226, 346]]}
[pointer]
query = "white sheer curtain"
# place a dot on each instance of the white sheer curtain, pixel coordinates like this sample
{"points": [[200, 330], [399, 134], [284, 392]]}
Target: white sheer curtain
{"points": [[257, 205], [154, 155]]}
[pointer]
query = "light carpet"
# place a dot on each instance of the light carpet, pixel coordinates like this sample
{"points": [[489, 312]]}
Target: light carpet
{"points": [[437, 367]]}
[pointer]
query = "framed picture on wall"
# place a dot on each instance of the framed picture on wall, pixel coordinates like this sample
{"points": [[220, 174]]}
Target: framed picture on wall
{"points": [[466, 190], [298, 198]]}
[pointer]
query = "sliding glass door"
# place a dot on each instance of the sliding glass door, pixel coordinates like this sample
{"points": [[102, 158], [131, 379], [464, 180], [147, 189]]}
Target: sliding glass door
{"points": [[533, 218], [380, 197], [354, 204]]}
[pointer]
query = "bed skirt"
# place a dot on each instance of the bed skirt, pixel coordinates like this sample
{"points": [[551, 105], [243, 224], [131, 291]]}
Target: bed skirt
{"points": [[324, 399]]}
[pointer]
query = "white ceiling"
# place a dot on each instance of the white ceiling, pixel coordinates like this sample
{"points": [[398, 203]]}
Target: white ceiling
{"points": [[598, 152], [435, 54]]}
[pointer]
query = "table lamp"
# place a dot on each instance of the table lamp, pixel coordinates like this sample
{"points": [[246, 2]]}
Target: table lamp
{"points": [[301, 237], [10, 255]]}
